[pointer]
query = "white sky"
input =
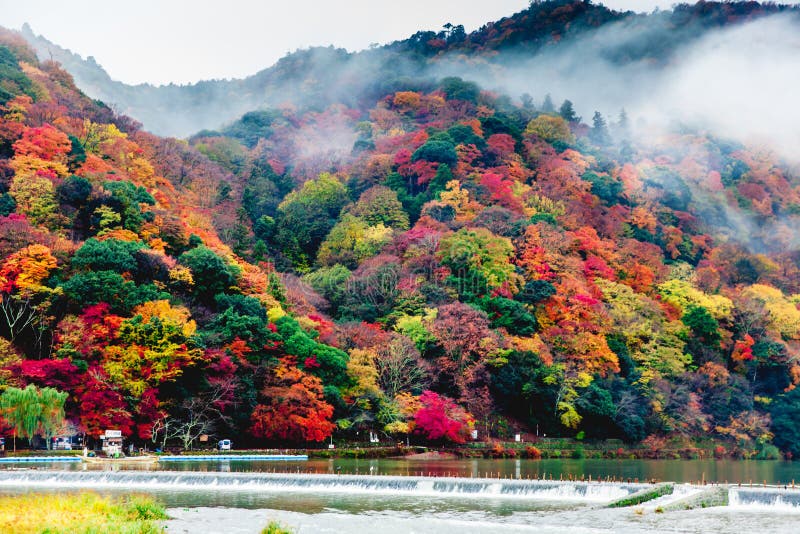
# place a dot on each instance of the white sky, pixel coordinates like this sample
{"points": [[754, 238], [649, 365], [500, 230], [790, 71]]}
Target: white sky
{"points": [[182, 41]]}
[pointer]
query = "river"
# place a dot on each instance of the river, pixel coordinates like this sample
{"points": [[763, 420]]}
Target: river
{"points": [[722, 471], [407, 496]]}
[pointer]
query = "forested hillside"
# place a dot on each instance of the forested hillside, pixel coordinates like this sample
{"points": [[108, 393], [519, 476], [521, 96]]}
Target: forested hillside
{"points": [[536, 269], [434, 260]]}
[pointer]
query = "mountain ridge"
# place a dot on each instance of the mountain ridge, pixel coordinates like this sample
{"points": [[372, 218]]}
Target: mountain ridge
{"points": [[186, 109]]}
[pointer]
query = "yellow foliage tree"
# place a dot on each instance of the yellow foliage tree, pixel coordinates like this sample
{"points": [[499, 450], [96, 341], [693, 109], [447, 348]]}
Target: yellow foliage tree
{"points": [[151, 350], [407, 405], [8, 358], [36, 199], [162, 309], [654, 342], [24, 299], [784, 317], [94, 135], [459, 200], [550, 128], [361, 368], [30, 165], [683, 294]]}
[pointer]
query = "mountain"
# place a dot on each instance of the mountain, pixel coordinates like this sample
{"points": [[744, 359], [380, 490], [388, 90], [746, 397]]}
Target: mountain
{"points": [[425, 258], [321, 76]]}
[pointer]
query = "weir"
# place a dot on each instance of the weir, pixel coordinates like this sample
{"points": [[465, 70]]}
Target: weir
{"points": [[593, 492], [774, 498], [598, 493]]}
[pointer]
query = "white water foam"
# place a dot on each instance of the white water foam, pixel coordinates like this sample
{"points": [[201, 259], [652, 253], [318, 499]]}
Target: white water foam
{"points": [[767, 499], [594, 492], [679, 492]]}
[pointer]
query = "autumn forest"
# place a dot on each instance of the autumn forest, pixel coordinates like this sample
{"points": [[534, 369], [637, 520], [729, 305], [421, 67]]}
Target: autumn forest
{"points": [[421, 259]]}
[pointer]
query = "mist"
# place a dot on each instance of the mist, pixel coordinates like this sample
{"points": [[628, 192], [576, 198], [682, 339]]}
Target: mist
{"points": [[732, 83], [738, 83]]}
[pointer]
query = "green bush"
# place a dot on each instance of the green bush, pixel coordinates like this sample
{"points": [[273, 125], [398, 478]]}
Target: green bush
{"points": [[768, 451], [211, 274], [110, 287], [108, 255]]}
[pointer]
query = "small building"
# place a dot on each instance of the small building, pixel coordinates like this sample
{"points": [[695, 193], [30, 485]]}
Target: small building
{"points": [[61, 443], [112, 442]]}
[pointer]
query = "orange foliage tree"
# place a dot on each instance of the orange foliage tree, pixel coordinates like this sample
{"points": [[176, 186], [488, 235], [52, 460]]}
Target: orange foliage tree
{"points": [[293, 407]]}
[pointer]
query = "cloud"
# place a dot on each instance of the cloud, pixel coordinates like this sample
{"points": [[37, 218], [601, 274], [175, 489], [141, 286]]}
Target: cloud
{"points": [[738, 82]]}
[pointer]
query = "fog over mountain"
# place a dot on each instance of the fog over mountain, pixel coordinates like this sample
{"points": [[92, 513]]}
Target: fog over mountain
{"points": [[693, 65]]}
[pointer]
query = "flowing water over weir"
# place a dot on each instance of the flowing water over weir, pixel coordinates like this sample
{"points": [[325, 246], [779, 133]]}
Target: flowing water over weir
{"points": [[765, 498], [595, 492]]}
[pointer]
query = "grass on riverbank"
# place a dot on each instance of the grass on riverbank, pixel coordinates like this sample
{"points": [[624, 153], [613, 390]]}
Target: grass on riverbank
{"points": [[276, 528], [80, 513]]}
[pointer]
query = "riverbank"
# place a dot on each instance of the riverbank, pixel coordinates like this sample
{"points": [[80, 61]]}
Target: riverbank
{"points": [[542, 448], [35, 513], [665, 449], [534, 449]]}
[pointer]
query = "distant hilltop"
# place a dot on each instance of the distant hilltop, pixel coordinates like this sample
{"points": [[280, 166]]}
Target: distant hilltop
{"points": [[327, 75]]}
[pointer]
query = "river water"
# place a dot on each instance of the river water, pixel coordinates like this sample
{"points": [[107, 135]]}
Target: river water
{"points": [[721, 471], [425, 497]]}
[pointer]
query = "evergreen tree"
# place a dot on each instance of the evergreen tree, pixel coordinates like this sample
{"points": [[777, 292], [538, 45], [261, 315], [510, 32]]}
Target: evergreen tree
{"points": [[527, 102], [599, 132], [567, 112], [547, 105], [241, 239], [785, 423], [623, 124]]}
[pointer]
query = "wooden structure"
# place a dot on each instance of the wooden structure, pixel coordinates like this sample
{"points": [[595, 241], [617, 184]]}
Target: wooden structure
{"points": [[112, 442]]}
